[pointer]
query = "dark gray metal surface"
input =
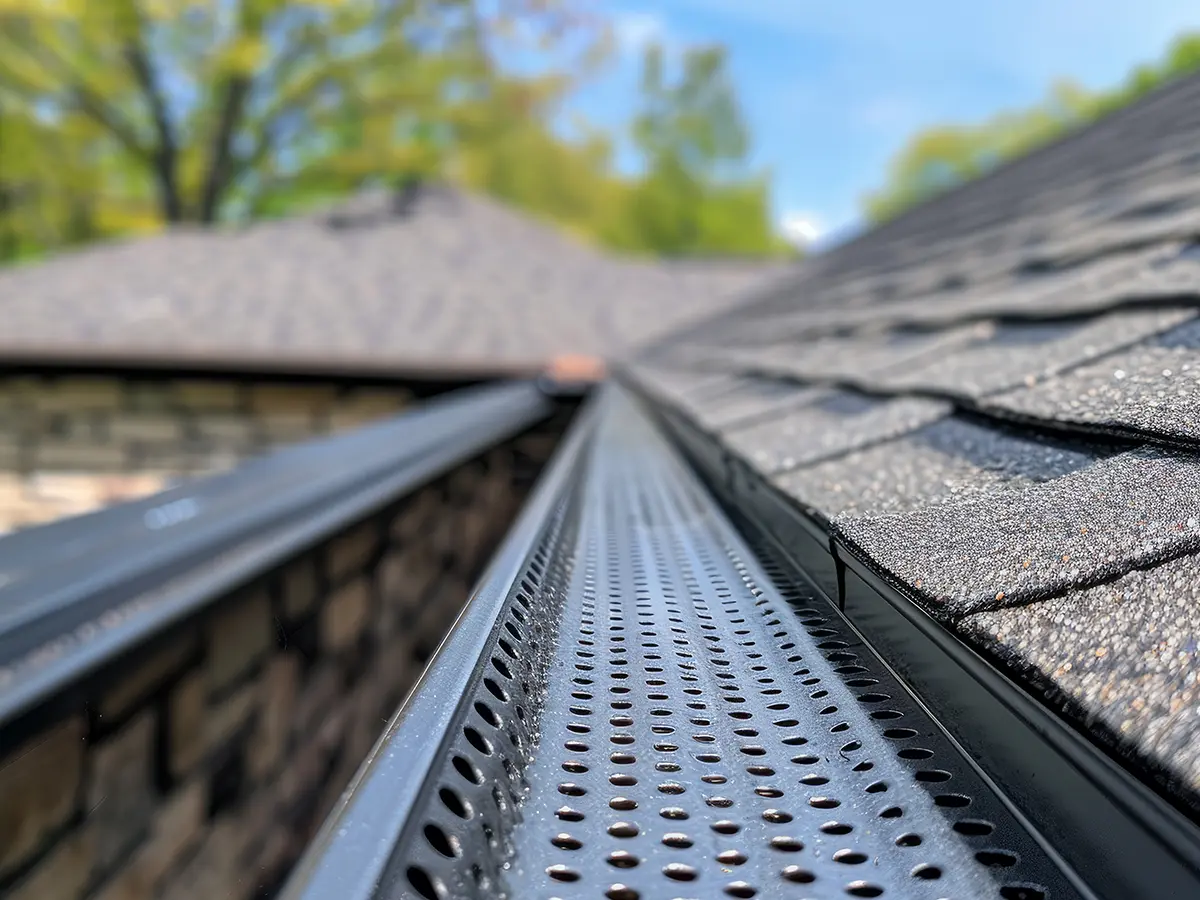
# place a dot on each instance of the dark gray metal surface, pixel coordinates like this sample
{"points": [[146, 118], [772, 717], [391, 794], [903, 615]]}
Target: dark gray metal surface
{"points": [[652, 714], [184, 547], [1127, 840]]}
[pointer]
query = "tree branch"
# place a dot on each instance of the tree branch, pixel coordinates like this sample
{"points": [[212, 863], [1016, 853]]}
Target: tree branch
{"points": [[220, 168], [92, 104], [165, 156]]}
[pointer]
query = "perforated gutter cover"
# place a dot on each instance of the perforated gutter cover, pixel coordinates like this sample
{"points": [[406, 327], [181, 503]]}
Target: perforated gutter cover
{"points": [[988, 408], [642, 701]]}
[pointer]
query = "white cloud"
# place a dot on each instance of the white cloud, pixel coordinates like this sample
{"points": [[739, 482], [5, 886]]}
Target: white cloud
{"points": [[800, 229], [634, 30]]}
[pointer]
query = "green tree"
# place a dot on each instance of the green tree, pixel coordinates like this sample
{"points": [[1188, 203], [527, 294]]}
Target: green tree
{"points": [[944, 156], [253, 105], [695, 195]]}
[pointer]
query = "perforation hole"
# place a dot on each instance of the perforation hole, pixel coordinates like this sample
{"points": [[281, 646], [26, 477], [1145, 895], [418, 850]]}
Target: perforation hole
{"points": [[622, 892], [951, 801], [724, 826], [623, 859], [932, 776], [454, 803], [495, 690], [731, 857], [908, 840], [566, 842], [477, 740], [423, 884], [440, 841], [1023, 892], [926, 872], [467, 769], [974, 827], [679, 872], [798, 875], [677, 839], [561, 872], [996, 859], [487, 714], [863, 889], [849, 857], [740, 889]]}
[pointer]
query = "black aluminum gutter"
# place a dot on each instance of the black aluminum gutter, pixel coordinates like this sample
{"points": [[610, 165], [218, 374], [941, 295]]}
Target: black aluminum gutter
{"points": [[96, 585], [1102, 820], [632, 706], [352, 855]]}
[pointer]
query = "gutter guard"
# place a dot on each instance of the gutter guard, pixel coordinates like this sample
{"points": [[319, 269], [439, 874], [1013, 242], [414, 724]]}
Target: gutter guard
{"points": [[633, 706], [1085, 806]]}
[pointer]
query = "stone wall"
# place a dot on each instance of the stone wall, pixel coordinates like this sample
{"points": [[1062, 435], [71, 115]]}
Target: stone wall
{"points": [[72, 444], [200, 766]]}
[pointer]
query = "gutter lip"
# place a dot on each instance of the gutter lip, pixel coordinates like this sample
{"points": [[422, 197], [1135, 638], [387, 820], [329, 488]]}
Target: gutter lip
{"points": [[261, 361], [883, 613], [178, 551], [351, 857]]}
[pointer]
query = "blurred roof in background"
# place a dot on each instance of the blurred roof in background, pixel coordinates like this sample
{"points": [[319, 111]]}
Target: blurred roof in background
{"points": [[434, 281]]}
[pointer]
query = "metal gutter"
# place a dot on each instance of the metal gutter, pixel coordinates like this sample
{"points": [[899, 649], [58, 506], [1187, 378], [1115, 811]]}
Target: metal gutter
{"points": [[1087, 808], [351, 856], [634, 705], [95, 586], [261, 362]]}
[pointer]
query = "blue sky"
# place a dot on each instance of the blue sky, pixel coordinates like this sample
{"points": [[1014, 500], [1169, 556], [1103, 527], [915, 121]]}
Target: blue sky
{"points": [[831, 89]]}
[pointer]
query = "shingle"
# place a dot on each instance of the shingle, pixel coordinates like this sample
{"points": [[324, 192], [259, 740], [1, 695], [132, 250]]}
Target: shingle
{"points": [[1079, 265], [1125, 656], [457, 280], [752, 399], [838, 422], [676, 384], [1025, 352], [1004, 549], [846, 360], [949, 460], [1153, 274], [1153, 387]]}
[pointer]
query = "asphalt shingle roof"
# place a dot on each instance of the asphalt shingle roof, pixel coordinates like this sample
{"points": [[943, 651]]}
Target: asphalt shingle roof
{"points": [[994, 401], [450, 281]]}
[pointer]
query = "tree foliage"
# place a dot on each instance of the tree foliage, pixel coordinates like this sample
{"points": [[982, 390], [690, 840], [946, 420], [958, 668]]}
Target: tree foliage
{"points": [[695, 195], [119, 116], [941, 157]]}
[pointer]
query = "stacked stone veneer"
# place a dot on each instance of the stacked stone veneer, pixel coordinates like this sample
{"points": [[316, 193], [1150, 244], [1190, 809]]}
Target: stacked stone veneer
{"points": [[71, 444], [199, 766]]}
